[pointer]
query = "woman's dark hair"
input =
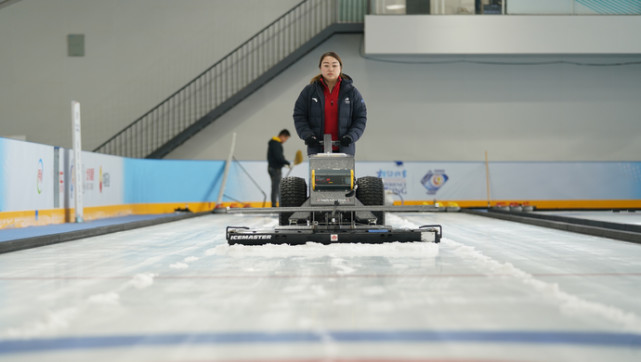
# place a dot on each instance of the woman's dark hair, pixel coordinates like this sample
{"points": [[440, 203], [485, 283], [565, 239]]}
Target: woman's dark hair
{"points": [[320, 62]]}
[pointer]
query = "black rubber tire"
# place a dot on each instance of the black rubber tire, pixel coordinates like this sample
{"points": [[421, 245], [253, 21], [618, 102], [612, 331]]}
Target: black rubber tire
{"points": [[371, 191], [293, 193]]}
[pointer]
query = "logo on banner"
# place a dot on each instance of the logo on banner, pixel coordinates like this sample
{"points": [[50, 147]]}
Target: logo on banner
{"points": [[394, 180], [433, 181], [89, 178], [39, 177]]}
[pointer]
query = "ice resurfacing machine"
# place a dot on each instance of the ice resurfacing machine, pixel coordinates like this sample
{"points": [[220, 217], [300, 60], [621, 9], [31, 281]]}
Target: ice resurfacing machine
{"points": [[339, 209]]}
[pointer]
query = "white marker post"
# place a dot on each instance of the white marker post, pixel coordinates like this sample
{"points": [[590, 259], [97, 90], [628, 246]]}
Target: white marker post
{"points": [[77, 162]]}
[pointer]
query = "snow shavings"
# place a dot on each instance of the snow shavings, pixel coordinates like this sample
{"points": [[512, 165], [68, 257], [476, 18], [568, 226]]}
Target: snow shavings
{"points": [[142, 280], [52, 322], [179, 266], [58, 320], [398, 222], [342, 266], [106, 299]]}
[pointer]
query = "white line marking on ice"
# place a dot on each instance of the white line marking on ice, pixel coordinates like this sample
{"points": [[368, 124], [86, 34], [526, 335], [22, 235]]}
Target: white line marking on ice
{"points": [[568, 303]]}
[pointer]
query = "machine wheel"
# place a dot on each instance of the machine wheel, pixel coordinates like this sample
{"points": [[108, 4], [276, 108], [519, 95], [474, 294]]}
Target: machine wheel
{"points": [[371, 191], [293, 192]]}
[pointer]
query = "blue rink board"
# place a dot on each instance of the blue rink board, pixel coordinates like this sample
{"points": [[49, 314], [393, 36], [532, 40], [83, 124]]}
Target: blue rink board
{"points": [[55, 229]]}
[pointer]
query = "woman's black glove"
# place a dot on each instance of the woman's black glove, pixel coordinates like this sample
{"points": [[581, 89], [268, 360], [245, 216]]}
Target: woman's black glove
{"points": [[346, 141], [312, 141]]}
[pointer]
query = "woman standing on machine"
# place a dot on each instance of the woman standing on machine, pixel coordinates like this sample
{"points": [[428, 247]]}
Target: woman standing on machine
{"points": [[330, 104]]}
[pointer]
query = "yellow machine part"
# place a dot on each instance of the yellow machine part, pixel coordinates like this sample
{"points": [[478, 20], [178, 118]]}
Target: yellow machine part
{"points": [[313, 179]]}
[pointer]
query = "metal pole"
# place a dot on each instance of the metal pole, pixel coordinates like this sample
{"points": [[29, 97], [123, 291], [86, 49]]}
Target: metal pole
{"points": [[487, 179], [227, 163], [252, 180]]}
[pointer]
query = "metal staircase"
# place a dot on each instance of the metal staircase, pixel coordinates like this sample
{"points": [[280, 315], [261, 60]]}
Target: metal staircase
{"points": [[226, 83]]}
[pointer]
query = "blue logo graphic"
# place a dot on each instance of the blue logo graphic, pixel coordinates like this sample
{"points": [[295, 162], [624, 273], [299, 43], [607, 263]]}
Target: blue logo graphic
{"points": [[39, 176], [394, 180], [433, 181]]}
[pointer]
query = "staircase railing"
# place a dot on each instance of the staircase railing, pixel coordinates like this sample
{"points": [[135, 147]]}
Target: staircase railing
{"points": [[195, 105], [4, 3]]}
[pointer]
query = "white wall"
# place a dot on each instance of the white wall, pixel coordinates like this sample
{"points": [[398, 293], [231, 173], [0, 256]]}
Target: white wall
{"points": [[537, 34], [540, 6], [137, 52], [454, 109], [140, 51]]}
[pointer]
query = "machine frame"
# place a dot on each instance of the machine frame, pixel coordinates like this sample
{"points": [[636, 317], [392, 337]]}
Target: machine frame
{"points": [[332, 212]]}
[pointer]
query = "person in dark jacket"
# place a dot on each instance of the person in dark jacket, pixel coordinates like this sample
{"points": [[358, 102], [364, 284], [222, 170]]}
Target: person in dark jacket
{"points": [[276, 161], [330, 104]]}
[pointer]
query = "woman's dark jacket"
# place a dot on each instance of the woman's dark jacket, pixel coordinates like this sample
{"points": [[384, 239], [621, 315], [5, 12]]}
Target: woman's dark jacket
{"points": [[309, 114]]}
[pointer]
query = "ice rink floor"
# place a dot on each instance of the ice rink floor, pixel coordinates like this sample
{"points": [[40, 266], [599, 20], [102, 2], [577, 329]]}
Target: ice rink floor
{"points": [[492, 290]]}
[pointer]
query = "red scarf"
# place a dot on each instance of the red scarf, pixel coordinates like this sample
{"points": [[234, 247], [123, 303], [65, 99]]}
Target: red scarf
{"points": [[331, 109]]}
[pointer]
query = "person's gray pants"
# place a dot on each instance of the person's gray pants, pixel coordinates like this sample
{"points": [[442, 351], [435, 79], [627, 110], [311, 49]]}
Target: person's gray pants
{"points": [[275, 174]]}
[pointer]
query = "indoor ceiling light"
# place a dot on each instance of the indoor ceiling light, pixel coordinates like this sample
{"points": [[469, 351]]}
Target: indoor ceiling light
{"points": [[395, 7]]}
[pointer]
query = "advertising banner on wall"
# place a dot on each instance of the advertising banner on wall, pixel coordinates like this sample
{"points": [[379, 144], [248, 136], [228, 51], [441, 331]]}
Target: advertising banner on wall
{"points": [[410, 181], [429, 181], [27, 176], [468, 181], [102, 179], [41, 177], [37, 177], [566, 180]]}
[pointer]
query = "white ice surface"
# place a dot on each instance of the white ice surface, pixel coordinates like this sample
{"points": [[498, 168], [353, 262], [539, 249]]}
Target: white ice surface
{"points": [[182, 278]]}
